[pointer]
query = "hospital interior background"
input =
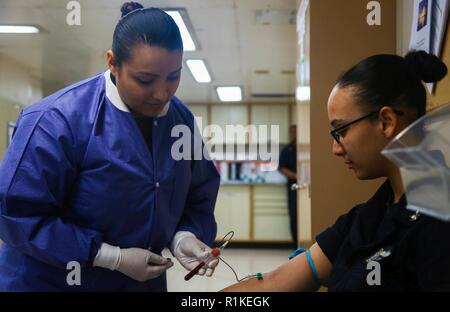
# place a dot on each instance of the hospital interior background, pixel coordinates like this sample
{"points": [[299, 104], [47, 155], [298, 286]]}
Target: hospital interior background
{"points": [[282, 54]]}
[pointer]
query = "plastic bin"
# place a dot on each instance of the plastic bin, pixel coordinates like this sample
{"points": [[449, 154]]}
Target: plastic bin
{"points": [[422, 151]]}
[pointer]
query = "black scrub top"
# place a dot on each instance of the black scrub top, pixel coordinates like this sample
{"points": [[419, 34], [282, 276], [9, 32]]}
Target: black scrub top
{"points": [[145, 125], [416, 253], [288, 160]]}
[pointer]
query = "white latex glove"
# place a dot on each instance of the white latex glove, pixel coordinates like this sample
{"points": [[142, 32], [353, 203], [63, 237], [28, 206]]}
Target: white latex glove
{"points": [[190, 251], [141, 264], [136, 263]]}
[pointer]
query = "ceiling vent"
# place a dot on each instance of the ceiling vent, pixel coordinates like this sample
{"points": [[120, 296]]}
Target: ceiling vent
{"points": [[275, 17]]}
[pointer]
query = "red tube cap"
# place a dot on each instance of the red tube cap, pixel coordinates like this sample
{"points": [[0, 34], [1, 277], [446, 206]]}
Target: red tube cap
{"points": [[215, 252]]}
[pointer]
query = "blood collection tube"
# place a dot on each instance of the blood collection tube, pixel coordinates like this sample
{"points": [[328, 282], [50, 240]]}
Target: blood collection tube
{"points": [[212, 256]]}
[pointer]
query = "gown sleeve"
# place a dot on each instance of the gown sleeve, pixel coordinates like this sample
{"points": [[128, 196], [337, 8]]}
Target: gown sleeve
{"points": [[36, 177], [198, 215]]}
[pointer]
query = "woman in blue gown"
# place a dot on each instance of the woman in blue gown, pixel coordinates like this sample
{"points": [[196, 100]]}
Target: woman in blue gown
{"points": [[90, 179]]}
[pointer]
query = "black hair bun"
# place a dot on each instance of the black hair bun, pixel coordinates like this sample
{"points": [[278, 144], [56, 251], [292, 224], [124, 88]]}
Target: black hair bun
{"points": [[129, 7], [427, 67]]}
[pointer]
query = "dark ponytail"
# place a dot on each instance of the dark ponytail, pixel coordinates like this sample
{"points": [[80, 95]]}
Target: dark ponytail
{"points": [[129, 7], [391, 80], [426, 67], [149, 26]]}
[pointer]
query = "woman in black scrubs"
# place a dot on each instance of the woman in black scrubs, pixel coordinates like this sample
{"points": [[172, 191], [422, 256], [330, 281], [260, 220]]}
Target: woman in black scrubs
{"points": [[377, 245]]}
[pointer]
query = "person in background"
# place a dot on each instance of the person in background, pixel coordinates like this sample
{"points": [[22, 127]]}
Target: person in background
{"points": [[378, 245], [90, 177], [288, 167]]}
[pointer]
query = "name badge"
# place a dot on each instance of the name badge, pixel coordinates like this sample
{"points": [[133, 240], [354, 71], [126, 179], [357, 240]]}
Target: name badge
{"points": [[380, 255]]}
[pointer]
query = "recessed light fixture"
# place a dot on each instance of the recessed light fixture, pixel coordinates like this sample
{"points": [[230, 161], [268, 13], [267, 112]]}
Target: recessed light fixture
{"points": [[199, 70], [18, 29], [229, 94], [188, 42]]}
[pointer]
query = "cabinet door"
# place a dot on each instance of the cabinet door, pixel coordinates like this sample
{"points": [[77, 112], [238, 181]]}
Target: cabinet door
{"points": [[231, 115], [271, 217], [268, 115], [201, 114], [280, 116], [233, 212], [304, 216]]}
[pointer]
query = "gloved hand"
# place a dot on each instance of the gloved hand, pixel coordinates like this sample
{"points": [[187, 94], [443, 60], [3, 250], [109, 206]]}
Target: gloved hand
{"points": [[142, 265], [190, 252], [137, 263]]}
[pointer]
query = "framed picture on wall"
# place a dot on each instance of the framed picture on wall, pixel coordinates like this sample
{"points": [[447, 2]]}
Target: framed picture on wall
{"points": [[11, 126]]}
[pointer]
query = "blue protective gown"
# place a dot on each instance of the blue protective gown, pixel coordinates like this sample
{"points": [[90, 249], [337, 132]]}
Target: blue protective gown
{"points": [[78, 173]]}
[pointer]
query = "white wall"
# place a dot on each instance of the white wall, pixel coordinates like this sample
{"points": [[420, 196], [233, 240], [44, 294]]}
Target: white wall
{"points": [[17, 90], [16, 85]]}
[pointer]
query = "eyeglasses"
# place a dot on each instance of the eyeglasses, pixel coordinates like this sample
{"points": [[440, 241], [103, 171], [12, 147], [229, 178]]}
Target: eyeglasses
{"points": [[339, 132]]}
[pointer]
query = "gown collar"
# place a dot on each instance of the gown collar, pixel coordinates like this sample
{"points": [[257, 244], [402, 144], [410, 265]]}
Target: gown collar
{"points": [[113, 95]]}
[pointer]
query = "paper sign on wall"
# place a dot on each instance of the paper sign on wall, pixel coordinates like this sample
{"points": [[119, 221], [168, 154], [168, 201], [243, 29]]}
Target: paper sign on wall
{"points": [[429, 26]]}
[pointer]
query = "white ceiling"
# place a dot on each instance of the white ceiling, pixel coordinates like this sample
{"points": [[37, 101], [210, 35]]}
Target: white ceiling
{"points": [[234, 40]]}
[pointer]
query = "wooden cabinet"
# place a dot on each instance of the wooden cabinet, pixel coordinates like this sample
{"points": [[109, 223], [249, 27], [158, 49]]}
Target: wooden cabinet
{"points": [[201, 114], [270, 214], [256, 213], [268, 114], [224, 115], [233, 116], [232, 212]]}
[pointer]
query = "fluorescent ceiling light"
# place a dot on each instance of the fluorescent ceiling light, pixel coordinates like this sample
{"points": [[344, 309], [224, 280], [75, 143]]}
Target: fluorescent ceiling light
{"points": [[188, 43], [229, 94], [199, 70], [15, 29]]}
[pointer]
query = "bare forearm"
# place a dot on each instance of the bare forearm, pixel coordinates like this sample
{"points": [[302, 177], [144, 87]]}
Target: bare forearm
{"points": [[288, 173], [251, 285], [294, 275], [281, 279]]}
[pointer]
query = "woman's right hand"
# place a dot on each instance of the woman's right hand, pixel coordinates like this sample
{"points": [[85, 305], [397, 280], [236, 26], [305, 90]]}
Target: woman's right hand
{"points": [[141, 264]]}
